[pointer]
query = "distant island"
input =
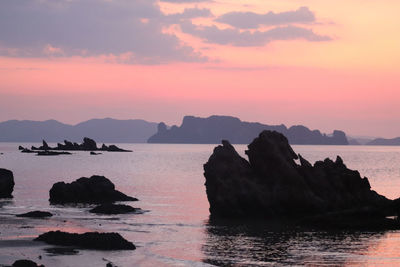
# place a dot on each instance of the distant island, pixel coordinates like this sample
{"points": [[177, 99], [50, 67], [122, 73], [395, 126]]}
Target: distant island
{"points": [[212, 130], [103, 130], [384, 142]]}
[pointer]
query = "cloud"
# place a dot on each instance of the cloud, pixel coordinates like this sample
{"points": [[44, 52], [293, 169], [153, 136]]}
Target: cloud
{"points": [[189, 13], [248, 20], [131, 28], [235, 37]]}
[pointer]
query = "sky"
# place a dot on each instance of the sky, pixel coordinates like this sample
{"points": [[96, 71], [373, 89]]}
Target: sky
{"points": [[323, 64]]}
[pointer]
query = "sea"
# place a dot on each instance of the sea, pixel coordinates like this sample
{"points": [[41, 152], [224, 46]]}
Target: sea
{"points": [[175, 228]]}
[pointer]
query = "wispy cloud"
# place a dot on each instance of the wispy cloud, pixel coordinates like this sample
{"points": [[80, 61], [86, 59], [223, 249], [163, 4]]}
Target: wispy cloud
{"points": [[235, 37], [247, 20]]}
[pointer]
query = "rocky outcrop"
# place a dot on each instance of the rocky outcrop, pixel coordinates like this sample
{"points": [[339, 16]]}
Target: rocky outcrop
{"points": [[25, 263], [211, 130], [273, 185], [110, 208], [90, 240], [35, 214], [87, 145], [96, 189], [6, 183]]}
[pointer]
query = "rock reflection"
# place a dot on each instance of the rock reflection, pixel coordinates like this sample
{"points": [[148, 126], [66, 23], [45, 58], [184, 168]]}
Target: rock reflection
{"points": [[258, 244]]}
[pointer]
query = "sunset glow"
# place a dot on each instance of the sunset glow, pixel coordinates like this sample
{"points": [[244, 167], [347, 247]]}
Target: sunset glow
{"points": [[338, 71]]}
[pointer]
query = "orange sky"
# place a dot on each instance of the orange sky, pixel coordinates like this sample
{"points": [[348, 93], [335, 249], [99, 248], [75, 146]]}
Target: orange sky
{"points": [[350, 82]]}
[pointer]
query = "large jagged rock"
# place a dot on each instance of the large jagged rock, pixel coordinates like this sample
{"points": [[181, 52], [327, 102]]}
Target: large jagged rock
{"points": [[6, 183], [272, 185], [96, 189], [90, 240]]}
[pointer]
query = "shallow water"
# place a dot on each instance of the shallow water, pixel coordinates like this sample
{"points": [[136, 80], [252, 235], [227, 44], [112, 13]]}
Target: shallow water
{"points": [[176, 231]]}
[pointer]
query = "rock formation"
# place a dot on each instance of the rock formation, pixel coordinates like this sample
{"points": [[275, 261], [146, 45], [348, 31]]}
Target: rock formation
{"points": [[90, 240], [272, 185], [109, 208], [211, 130], [6, 183], [25, 263], [35, 214], [96, 189], [87, 145]]}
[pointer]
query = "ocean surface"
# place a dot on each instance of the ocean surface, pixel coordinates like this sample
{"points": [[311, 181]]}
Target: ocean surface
{"points": [[175, 230]]}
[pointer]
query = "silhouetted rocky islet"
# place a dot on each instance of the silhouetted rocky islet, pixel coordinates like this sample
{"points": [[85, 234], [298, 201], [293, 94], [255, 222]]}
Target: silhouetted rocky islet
{"points": [[96, 189], [272, 185]]}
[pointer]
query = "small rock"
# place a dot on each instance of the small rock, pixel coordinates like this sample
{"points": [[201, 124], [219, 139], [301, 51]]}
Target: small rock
{"points": [[36, 214], [90, 240], [109, 208], [25, 263]]}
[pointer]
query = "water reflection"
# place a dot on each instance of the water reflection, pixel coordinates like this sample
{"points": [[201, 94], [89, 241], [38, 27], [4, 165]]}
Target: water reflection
{"points": [[257, 244]]}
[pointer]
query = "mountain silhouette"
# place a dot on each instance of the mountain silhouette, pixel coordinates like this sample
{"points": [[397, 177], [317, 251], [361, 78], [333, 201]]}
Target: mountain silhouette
{"points": [[212, 130]]}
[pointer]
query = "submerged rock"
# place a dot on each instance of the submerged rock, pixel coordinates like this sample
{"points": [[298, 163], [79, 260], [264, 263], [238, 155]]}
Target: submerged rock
{"points": [[272, 185], [96, 189], [26, 150], [6, 183], [94, 153], [52, 153], [35, 214], [109, 208], [25, 263], [90, 240]]}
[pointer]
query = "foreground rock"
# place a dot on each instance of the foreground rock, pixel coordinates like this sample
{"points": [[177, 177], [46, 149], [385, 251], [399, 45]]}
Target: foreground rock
{"points": [[96, 189], [87, 145], [25, 263], [6, 183], [36, 214], [272, 185], [90, 240], [109, 208]]}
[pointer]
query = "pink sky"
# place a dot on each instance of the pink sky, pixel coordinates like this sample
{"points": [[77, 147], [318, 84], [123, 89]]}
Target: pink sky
{"points": [[338, 71]]}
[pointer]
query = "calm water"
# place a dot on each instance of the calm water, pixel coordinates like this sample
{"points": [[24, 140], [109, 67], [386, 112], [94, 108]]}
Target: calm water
{"points": [[176, 231]]}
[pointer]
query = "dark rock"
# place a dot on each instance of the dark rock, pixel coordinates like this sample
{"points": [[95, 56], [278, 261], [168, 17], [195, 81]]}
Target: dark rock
{"points": [[6, 183], [25, 150], [109, 208], [96, 189], [94, 153], [114, 148], [52, 153], [90, 240], [25, 263], [272, 185], [21, 148], [36, 214], [87, 145]]}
